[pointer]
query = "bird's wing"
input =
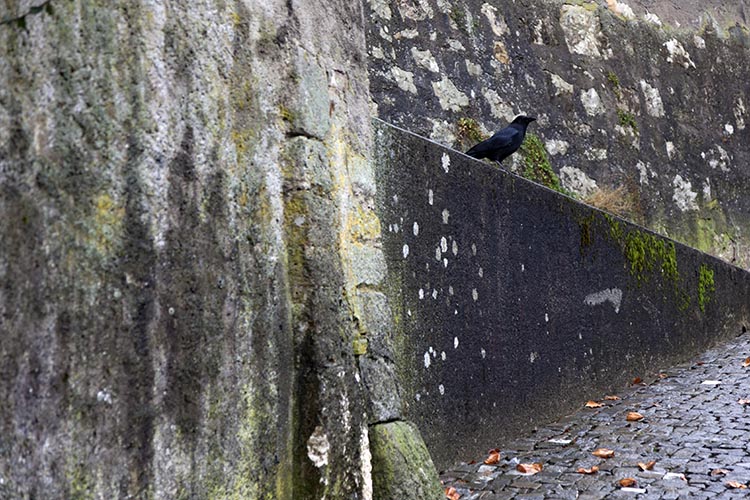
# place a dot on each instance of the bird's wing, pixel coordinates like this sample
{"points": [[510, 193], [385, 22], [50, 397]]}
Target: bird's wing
{"points": [[502, 139]]}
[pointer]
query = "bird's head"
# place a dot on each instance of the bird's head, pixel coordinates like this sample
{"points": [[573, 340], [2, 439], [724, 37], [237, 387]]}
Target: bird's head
{"points": [[524, 120]]}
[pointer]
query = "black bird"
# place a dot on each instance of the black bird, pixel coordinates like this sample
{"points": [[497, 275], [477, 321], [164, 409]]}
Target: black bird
{"points": [[504, 143]]}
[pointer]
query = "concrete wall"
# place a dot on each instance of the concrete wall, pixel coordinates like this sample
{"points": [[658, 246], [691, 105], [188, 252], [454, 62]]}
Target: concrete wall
{"points": [[622, 102], [515, 305]]}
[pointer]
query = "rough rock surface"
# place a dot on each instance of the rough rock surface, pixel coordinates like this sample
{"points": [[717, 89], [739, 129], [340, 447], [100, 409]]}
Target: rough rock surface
{"points": [[637, 102], [187, 248]]}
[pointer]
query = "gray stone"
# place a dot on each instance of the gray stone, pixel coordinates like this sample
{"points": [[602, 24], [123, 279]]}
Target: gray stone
{"points": [[401, 465]]}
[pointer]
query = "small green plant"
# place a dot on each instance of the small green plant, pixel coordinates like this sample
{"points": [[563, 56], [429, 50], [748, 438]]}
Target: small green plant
{"points": [[536, 165], [615, 83], [627, 119], [459, 17], [469, 131], [706, 286]]}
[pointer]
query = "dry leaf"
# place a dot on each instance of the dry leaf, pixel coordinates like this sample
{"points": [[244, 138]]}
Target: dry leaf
{"points": [[603, 453], [719, 472], [663, 375], [736, 485], [647, 465], [637, 380], [529, 468], [634, 416], [593, 404], [493, 458], [744, 401], [593, 470], [626, 482], [746, 363], [451, 493], [612, 398]]}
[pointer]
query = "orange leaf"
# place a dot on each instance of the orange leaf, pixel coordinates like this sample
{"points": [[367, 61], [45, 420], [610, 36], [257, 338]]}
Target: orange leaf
{"points": [[744, 401], [719, 472], [593, 404], [493, 458], [647, 465], [612, 398], [736, 485], [603, 453], [637, 380], [593, 470], [451, 493], [634, 416], [746, 363], [627, 482], [529, 468]]}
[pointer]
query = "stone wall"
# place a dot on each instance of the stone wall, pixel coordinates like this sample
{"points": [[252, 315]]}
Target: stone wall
{"points": [[189, 250], [623, 101], [515, 305]]}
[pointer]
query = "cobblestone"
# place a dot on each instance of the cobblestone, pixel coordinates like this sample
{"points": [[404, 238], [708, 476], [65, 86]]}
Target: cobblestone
{"points": [[690, 428]]}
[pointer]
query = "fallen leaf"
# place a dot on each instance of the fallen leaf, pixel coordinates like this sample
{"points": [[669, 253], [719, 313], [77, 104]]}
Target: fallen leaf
{"points": [[603, 453], [637, 380], [529, 468], [663, 375], [451, 493], [744, 401], [593, 470], [634, 416], [719, 472], [493, 458], [699, 363], [593, 404], [736, 485], [626, 482], [647, 465], [746, 363], [612, 398]]}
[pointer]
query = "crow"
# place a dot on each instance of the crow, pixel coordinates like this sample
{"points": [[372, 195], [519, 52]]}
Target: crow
{"points": [[504, 143]]}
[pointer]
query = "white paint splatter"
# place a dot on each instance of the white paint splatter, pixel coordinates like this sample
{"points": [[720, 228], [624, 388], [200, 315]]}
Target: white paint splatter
{"points": [[533, 356], [434, 293], [455, 342], [438, 254], [421, 294], [523, 268], [473, 249], [446, 160], [546, 318], [454, 247], [415, 228], [445, 262], [450, 289], [613, 295], [443, 244], [430, 197], [417, 396], [427, 360], [446, 214], [474, 294], [481, 272], [104, 396], [442, 355], [406, 250], [483, 353], [441, 388]]}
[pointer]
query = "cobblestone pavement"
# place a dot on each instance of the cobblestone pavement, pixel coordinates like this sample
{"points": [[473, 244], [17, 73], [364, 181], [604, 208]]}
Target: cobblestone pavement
{"points": [[695, 427]]}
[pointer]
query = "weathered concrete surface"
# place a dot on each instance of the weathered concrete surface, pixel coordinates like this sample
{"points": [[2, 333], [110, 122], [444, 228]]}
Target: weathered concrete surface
{"points": [[184, 220], [515, 304], [624, 102]]}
